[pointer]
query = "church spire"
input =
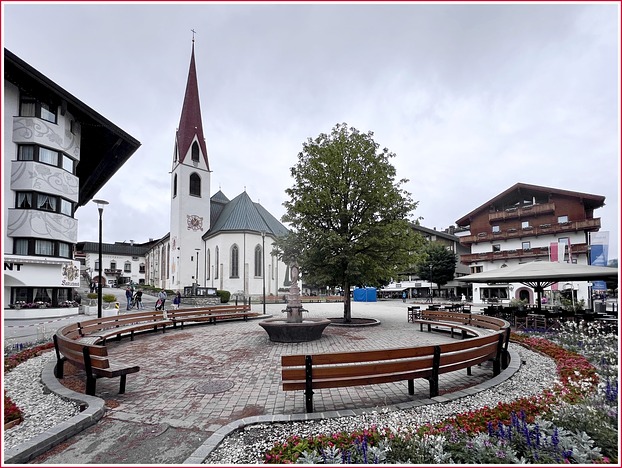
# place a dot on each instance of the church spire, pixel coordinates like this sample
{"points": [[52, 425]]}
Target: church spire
{"points": [[190, 124]]}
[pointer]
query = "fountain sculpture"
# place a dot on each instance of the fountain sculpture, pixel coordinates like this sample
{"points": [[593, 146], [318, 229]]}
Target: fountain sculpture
{"points": [[293, 328]]}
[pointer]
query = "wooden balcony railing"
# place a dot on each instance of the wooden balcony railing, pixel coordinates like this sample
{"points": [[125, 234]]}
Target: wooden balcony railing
{"points": [[523, 211], [533, 231], [532, 253]]}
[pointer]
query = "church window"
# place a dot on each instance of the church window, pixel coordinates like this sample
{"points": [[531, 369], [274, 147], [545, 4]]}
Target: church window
{"points": [[258, 261], [195, 184], [174, 185], [235, 262], [195, 152], [216, 263]]}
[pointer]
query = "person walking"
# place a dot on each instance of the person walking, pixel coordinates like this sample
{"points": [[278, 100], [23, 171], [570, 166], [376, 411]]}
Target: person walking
{"points": [[128, 296], [161, 299], [177, 300], [404, 296], [138, 299]]}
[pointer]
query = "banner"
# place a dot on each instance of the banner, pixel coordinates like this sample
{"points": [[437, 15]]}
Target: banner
{"points": [[553, 252], [599, 248], [599, 251]]}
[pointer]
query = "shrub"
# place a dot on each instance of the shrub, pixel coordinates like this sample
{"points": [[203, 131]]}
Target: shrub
{"points": [[224, 296], [109, 298], [91, 296]]}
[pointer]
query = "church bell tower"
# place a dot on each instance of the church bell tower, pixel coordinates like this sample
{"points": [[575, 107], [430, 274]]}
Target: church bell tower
{"points": [[190, 192]]}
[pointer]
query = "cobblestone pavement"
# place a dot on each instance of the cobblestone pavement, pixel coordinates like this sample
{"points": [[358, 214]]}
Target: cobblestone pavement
{"points": [[194, 380]]}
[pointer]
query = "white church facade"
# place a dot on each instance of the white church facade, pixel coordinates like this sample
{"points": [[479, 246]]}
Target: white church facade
{"points": [[213, 242]]}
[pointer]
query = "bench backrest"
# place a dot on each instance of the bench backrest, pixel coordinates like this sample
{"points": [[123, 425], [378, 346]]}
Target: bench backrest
{"points": [[172, 314], [74, 353], [331, 370], [477, 320], [105, 323]]}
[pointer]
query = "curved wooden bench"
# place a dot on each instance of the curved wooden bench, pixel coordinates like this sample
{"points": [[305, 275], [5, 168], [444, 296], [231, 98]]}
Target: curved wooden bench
{"points": [[210, 314], [83, 343], [346, 369], [93, 359]]}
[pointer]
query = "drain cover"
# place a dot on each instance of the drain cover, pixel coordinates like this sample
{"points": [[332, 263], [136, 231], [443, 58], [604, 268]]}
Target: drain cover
{"points": [[214, 386]]}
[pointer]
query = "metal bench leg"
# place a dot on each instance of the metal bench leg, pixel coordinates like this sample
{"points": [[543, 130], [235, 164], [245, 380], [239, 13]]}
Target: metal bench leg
{"points": [[122, 384], [411, 386], [90, 385]]}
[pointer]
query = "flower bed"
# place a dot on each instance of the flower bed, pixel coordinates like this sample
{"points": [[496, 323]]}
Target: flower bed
{"points": [[573, 422]]}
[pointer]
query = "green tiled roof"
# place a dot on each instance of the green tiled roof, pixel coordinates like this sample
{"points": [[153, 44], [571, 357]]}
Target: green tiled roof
{"points": [[242, 214]]}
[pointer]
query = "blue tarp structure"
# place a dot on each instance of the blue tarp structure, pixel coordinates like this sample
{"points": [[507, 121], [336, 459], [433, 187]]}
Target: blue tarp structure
{"points": [[364, 295]]}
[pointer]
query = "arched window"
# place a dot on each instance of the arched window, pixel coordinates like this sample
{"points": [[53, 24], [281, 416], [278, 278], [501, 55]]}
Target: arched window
{"points": [[195, 184], [216, 264], [175, 186], [235, 262], [258, 261], [207, 262], [195, 152]]}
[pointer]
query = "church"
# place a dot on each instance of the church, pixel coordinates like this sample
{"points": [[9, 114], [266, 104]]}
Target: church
{"points": [[214, 242]]}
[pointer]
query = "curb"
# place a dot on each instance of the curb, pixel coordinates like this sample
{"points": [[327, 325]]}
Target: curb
{"points": [[199, 455], [45, 441]]}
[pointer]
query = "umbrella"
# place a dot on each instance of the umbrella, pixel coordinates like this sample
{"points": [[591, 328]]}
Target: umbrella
{"points": [[539, 275]]}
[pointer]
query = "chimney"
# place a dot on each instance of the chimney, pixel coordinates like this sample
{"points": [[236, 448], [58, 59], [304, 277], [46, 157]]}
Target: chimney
{"points": [[131, 241]]}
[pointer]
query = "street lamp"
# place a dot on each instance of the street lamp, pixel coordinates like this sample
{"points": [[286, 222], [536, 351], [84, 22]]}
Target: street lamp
{"points": [[263, 267], [431, 293], [100, 206]]}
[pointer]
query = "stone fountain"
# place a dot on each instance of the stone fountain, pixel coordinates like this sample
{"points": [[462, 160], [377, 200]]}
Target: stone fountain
{"points": [[293, 328]]}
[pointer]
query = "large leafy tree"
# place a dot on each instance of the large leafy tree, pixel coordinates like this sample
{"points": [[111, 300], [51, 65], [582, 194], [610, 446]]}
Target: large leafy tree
{"points": [[437, 264], [348, 214]]}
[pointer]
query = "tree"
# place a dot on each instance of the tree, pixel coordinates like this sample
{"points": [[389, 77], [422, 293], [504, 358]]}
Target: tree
{"points": [[347, 212], [437, 264]]}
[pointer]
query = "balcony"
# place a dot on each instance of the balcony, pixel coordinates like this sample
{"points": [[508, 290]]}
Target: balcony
{"points": [[534, 231], [523, 211], [533, 253]]}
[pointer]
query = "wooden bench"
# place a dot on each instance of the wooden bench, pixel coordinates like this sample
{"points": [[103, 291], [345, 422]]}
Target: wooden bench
{"points": [[210, 314], [98, 330], [334, 370], [465, 332], [413, 313], [92, 358]]}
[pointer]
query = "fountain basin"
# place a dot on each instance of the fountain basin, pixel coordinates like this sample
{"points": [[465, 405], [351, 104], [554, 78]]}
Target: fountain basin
{"points": [[281, 331]]}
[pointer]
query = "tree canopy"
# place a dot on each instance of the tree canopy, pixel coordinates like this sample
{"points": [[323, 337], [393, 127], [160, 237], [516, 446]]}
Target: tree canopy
{"points": [[348, 213], [437, 264]]}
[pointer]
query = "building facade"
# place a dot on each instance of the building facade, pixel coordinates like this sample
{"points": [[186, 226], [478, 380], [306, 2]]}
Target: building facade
{"points": [[415, 287], [526, 223], [213, 242], [122, 263], [47, 132]]}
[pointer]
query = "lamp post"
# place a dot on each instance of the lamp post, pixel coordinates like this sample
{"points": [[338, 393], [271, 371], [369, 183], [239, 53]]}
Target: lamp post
{"points": [[100, 207], [431, 294], [263, 267]]}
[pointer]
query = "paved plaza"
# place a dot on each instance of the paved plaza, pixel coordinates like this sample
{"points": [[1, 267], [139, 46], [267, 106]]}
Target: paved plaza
{"points": [[195, 381]]}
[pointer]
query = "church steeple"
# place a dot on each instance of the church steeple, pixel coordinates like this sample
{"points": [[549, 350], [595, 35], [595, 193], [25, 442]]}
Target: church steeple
{"points": [[190, 124]]}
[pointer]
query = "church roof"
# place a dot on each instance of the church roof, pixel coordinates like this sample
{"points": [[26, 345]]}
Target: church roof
{"points": [[218, 201], [242, 214], [190, 123]]}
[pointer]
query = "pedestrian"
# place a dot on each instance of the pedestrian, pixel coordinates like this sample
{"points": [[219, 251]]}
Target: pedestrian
{"points": [[404, 296], [161, 299], [138, 298], [128, 296], [77, 298], [177, 300]]}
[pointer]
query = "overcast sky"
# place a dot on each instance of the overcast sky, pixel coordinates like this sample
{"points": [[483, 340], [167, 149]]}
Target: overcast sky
{"points": [[472, 98]]}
